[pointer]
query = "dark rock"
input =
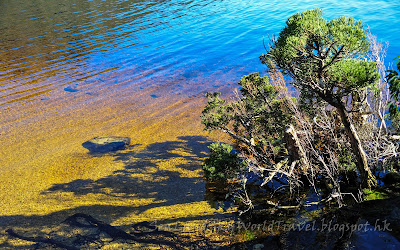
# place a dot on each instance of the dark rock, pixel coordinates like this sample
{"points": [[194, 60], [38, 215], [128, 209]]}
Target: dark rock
{"points": [[395, 214], [70, 89], [391, 178], [370, 237], [106, 144]]}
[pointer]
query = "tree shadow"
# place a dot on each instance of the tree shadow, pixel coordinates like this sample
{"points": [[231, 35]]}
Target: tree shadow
{"points": [[167, 171], [166, 174], [32, 232]]}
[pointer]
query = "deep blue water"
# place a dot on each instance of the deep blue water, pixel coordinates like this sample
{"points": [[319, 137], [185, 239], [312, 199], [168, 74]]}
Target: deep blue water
{"points": [[49, 45]]}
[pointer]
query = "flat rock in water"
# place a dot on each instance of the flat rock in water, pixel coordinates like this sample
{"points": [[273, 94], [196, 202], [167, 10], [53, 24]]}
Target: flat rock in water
{"points": [[106, 144], [70, 89]]}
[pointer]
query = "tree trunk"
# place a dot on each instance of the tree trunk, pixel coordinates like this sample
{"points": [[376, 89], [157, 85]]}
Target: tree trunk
{"points": [[294, 145], [367, 178]]}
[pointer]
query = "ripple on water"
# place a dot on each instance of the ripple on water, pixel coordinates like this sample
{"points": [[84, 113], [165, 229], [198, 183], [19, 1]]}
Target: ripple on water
{"points": [[46, 46]]}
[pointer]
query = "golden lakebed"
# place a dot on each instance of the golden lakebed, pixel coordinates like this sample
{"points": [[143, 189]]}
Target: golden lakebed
{"points": [[47, 175]]}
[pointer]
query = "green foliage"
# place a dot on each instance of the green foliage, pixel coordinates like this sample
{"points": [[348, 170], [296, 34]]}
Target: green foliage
{"points": [[394, 87], [258, 119], [346, 160], [353, 74], [222, 164], [374, 195], [249, 235], [216, 113], [325, 58]]}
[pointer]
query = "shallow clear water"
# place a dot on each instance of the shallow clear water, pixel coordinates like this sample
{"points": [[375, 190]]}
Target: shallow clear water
{"points": [[85, 45]]}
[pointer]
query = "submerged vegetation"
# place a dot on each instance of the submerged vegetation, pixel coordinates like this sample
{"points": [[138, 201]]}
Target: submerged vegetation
{"points": [[328, 130]]}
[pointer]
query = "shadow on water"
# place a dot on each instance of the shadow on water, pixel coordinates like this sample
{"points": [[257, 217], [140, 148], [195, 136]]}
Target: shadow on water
{"points": [[160, 184], [166, 176], [164, 172]]}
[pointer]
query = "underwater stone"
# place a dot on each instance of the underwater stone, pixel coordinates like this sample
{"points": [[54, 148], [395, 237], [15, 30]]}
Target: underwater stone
{"points": [[106, 144], [70, 89]]}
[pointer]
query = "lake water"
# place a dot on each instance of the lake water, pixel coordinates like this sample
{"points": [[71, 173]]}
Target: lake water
{"points": [[74, 70], [188, 46]]}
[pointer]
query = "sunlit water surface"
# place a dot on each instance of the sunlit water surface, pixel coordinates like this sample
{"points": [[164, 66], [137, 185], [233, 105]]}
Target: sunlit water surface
{"points": [[190, 46]]}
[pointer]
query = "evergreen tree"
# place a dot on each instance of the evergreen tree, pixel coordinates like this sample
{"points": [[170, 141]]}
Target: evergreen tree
{"points": [[327, 61]]}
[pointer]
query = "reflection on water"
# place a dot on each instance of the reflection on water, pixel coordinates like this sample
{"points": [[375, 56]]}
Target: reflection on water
{"points": [[45, 45]]}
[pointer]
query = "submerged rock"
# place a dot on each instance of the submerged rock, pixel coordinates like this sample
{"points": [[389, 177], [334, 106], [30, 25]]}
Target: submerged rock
{"points": [[106, 144], [70, 89]]}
